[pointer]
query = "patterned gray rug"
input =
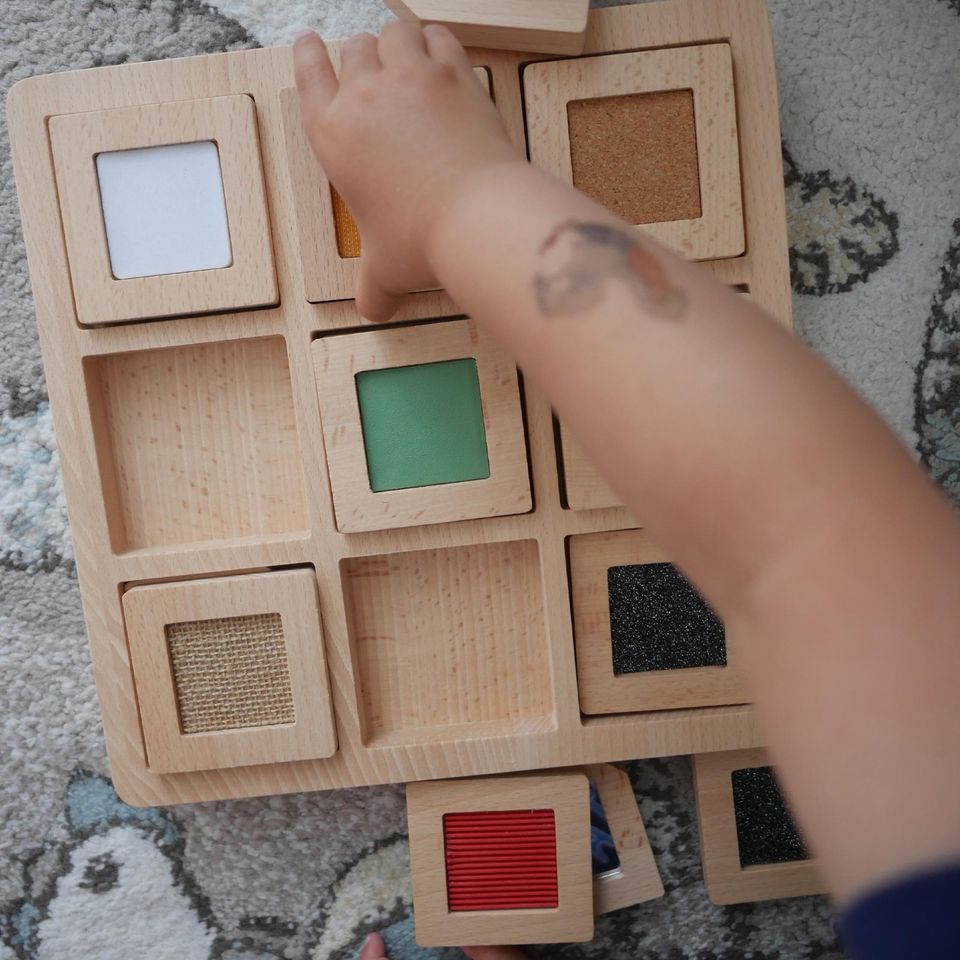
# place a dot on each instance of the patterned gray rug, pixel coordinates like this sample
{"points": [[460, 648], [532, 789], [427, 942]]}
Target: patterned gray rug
{"points": [[870, 102]]}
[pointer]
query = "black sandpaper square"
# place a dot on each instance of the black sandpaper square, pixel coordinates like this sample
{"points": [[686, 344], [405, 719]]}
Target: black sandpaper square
{"points": [[766, 832], [658, 621]]}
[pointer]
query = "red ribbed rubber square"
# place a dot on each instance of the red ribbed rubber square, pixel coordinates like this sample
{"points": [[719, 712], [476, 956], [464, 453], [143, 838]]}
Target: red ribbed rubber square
{"points": [[501, 860]]}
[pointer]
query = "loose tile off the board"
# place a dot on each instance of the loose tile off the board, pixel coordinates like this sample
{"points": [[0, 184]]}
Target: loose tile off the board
{"points": [[750, 845], [421, 424]]}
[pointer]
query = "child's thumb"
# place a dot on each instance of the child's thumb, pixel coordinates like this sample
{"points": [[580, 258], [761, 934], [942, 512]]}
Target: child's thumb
{"points": [[373, 302]]}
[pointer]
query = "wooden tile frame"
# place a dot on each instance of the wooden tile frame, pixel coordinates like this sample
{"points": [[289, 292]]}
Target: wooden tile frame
{"points": [[229, 121], [358, 508], [585, 488], [567, 794], [327, 275], [639, 879], [103, 572], [707, 70], [726, 880], [601, 690], [150, 608], [545, 26]]}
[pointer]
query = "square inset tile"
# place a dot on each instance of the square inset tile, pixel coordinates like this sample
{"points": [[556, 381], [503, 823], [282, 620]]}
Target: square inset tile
{"points": [[421, 425], [164, 209], [501, 859], [330, 241], [650, 134], [644, 638], [230, 671]]}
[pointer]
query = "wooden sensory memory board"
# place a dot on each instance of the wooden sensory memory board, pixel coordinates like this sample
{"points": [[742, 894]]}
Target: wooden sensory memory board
{"points": [[425, 633]]}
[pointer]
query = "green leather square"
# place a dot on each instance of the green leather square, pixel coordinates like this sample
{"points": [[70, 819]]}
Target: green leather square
{"points": [[423, 425]]}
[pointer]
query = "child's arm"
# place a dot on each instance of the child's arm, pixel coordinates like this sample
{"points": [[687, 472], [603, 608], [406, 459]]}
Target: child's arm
{"points": [[832, 560]]}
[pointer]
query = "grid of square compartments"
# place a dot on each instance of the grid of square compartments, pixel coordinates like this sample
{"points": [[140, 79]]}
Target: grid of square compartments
{"points": [[253, 437]]}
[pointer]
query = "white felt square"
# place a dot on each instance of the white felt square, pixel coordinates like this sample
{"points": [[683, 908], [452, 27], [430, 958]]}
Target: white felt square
{"points": [[164, 209]]}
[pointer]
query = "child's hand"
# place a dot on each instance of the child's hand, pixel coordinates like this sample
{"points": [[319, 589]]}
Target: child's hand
{"points": [[398, 134]]}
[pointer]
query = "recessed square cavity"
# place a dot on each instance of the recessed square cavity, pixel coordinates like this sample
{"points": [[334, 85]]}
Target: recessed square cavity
{"points": [[423, 425], [749, 843], [329, 238], [163, 209]]}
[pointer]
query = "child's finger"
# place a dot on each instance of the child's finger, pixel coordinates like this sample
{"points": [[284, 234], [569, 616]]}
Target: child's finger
{"points": [[373, 302], [373, 948], [444, 47], [313, 70], [401, 40], [358, 57]]}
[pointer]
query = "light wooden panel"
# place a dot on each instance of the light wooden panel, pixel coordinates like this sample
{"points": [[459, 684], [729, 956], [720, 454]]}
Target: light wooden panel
{"points": [[601, 690], [231, 122], [727, 881], [199, 443], [567, 794], [150, 612], [303, 532], [639, 879], [708, 72], [449, 640], [585, 488], [544, 26], [357, 506]]}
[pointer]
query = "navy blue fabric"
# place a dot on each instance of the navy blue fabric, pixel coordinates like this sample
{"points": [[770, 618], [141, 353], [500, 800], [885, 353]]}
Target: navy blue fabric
{"points": [[917, 918]]}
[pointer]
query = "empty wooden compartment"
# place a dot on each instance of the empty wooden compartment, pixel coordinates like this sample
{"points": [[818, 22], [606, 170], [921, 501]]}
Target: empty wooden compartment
{"points": [[230, 671], [450, 643], [197, 443], [421, 425], [501, 860], [750, 845], [652, 135], [645, 639], [164, 211]]}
